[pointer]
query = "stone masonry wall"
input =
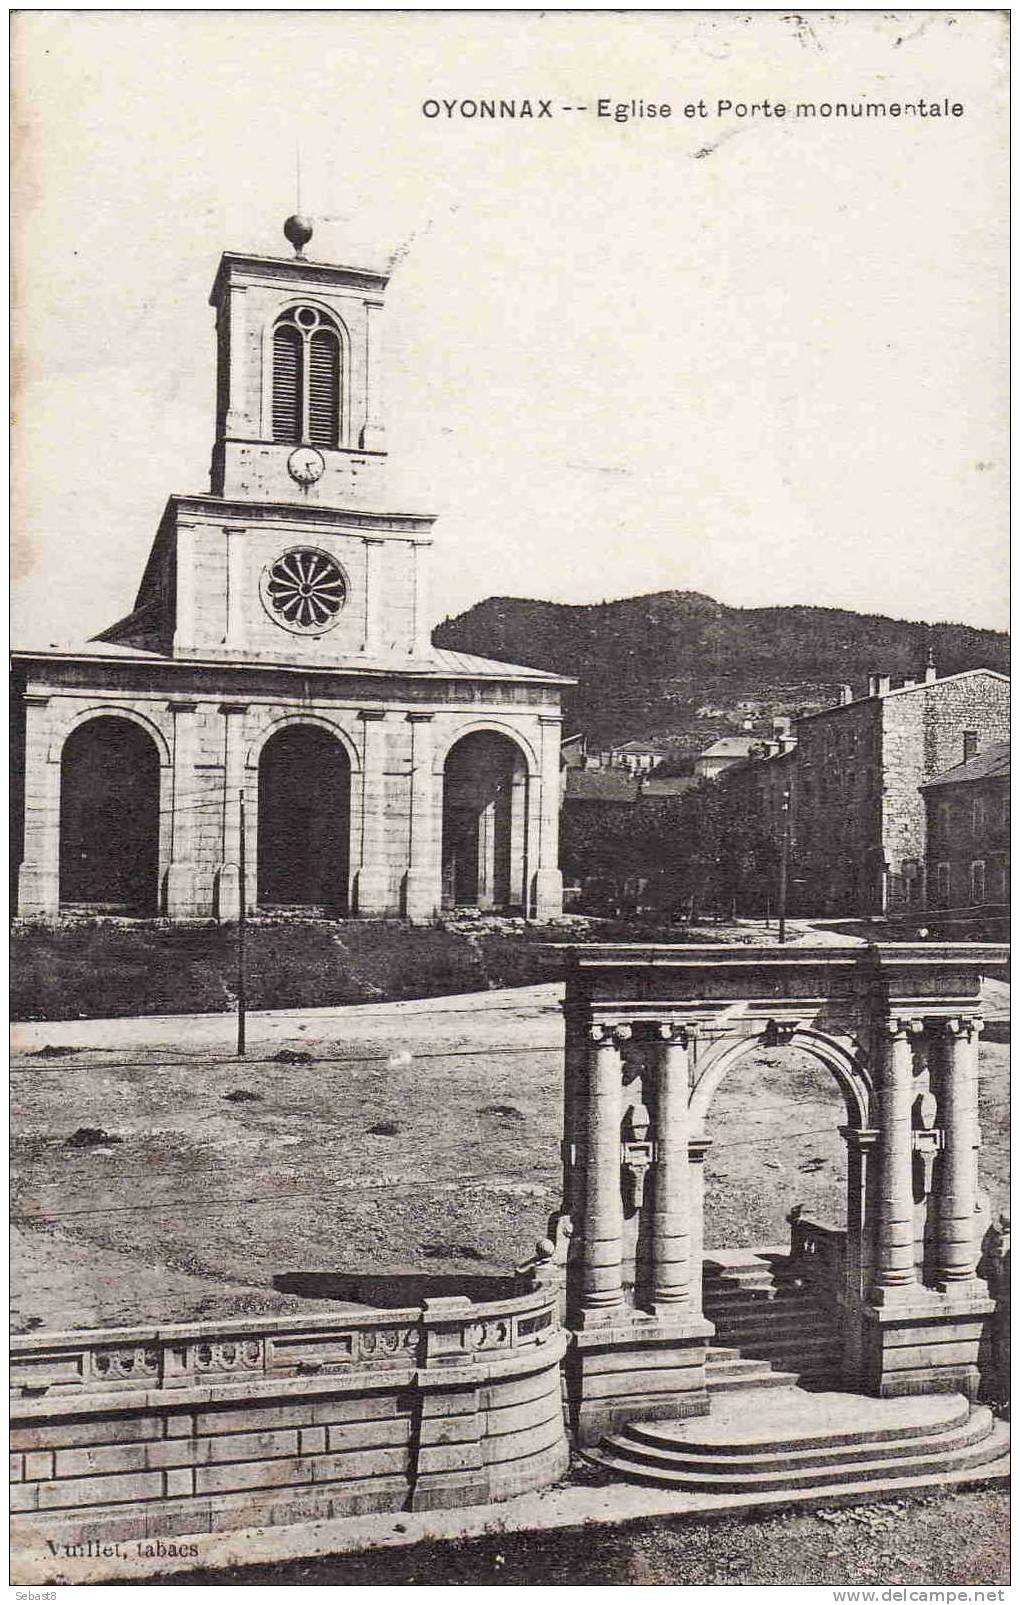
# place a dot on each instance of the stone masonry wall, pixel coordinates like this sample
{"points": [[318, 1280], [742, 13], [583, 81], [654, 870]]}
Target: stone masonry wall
{"points": [[157, 1431]]}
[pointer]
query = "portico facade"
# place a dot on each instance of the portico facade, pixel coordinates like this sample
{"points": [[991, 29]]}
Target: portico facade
{"points": [[280, 650]]}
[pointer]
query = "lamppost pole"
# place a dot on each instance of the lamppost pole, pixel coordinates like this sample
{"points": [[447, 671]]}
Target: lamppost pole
{"points": [[784, 862], [241, 924]]}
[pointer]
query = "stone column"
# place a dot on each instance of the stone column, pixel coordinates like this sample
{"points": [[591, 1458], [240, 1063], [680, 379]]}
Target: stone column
{"points": [[39, 872], [373, 880], [894, 1249], [697, 1152], [228, 876], [372, 644], [421, 893], [956, 1246], [671, 1288], [548, 903], [602, 1276], [179, 896]]}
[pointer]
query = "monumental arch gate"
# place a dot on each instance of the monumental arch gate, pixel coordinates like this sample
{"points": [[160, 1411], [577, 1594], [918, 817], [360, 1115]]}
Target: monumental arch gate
{"points": [[651, 1033]]}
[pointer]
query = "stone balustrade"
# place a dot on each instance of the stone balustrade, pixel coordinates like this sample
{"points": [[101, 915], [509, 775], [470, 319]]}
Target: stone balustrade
{"points": [[441, 1331]]}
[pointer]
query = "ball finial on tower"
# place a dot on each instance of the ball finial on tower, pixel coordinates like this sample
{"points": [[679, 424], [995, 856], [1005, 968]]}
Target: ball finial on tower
{"points": [[298, 231]]}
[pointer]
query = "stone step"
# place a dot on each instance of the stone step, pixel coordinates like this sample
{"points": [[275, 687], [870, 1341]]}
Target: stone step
{"points": [[756, 1329], [781, 1342], [736, 1380], [758, 1298], [708, 1458], [935, 1462]]}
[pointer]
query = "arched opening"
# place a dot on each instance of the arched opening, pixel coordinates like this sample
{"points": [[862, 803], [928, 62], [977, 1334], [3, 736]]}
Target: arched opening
{"points": [[304, 808], [109, 818], [773, 1128], [485, 787]]}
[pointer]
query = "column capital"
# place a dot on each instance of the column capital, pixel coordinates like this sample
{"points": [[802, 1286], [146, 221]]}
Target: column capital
{"points": [[697, 1149], [182, 707], [417, 718], [372, 715], [861, 1138], [902, 1026], [550, 718], [673, 1031], [968, 1026], [36, 699], [372, 540], [233, 707], [609, 1036]]}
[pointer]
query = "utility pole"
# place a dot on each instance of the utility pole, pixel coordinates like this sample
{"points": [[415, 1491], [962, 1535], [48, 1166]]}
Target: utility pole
{"points": [[784, 863], [242, 920]]}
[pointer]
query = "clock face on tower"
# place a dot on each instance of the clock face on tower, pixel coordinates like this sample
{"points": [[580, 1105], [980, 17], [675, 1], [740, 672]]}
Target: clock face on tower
{"points": [[304, 590], [305, 465]]}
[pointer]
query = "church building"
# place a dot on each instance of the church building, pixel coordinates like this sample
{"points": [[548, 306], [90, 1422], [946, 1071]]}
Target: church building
{"points": [[277, 674]]}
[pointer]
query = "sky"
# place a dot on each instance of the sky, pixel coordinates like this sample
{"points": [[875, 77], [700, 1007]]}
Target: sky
{"points": [[759, 357]]}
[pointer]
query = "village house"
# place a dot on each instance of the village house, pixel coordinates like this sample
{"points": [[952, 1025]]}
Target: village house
{"points": [[277, 675], [859, 815], [968, 835]]}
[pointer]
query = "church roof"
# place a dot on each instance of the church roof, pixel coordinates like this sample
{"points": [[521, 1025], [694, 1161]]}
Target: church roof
{"points": [[441, 663]]}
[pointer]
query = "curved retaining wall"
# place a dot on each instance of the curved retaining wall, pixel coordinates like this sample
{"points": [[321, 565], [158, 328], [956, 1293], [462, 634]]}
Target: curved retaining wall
{"points": [[121, 1435]]}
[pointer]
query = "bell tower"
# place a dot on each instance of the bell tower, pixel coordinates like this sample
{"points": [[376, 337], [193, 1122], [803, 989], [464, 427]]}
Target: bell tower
{"points": [[298, 380]]}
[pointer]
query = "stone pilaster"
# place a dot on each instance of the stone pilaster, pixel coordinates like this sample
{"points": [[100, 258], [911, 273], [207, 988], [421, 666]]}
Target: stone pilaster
{"points": [[421, 892], [671, 1241], [179, 891], [861, 1148], [421, 633], [373, 880], [228, 875], [373, 434], [39, 872], [697, 1152], [372, 644], [602, 1277], [956, 1247], [235, 600], [548, 900], [895, 1278]]}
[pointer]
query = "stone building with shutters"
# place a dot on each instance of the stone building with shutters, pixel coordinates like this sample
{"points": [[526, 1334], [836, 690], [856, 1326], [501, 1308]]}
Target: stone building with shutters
{"points": [[277, 666]]}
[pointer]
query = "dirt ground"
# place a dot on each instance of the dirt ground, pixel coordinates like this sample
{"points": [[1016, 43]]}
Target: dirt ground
{"points": [[369, 1154], [960, 1539]]}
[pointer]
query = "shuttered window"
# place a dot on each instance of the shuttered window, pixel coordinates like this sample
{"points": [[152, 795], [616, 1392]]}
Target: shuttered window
{"points": [[324, 388], [307, 379], [287, 383]]}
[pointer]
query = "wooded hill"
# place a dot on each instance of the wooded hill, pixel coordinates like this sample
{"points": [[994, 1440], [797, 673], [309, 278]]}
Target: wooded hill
{"points": [[677, 665]]}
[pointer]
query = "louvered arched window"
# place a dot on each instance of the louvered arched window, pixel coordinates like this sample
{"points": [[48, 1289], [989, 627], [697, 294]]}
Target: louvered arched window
{"points": [[307, 379]]}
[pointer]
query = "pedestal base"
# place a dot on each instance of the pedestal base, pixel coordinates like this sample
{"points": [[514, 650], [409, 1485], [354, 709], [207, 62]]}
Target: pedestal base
{"points": [[930, 1346], [179, 892], [38, 892], [548, 894], [228, 893], [372, 892], [642, 1369], [421, 896]]}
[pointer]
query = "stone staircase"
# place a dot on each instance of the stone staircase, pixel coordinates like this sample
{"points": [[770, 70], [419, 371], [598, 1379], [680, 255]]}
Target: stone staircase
{"points": [[797, 1444], [770, 1332]]}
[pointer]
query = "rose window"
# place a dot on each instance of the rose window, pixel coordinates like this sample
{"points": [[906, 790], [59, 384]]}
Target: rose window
{"points": [[304, 590]]}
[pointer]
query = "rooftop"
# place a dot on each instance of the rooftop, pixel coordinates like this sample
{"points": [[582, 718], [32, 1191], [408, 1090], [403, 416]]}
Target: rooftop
{"points": [[991, 764]]}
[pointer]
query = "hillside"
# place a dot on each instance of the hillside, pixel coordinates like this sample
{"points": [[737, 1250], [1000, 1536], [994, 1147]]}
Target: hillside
{"points": [[677, 665]]}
